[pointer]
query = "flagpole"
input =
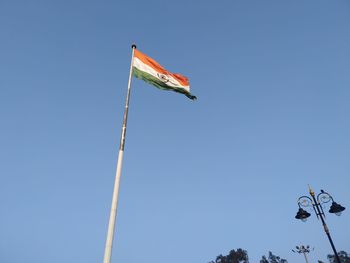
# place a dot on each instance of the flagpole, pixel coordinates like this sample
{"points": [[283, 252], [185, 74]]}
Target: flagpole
{"points": [[113, 212]]}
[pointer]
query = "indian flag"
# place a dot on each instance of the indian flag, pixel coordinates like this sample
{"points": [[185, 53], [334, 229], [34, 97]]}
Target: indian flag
{"points": [[152, 72]]}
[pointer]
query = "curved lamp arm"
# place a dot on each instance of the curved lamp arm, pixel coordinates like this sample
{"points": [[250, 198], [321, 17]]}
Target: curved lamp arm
{"points": [[324, 197], [305, 201]]}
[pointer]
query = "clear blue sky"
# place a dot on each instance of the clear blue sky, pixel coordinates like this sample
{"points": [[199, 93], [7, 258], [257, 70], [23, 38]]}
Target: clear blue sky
{"points": [[199, 178]]}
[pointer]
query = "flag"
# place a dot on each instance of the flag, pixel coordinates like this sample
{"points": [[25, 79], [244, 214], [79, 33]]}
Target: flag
{"points": [[152, 72]]}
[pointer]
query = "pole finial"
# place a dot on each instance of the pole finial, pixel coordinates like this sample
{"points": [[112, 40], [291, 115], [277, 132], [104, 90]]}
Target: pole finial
{"points": [[133, 46], [311, 191]]}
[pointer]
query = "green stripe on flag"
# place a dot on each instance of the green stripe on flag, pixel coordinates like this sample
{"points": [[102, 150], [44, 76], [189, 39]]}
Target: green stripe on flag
{"points": [[158, 83]]}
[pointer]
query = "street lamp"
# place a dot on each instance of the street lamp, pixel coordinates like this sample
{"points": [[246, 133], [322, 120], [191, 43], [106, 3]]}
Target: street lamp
{"points": [[302, 250], [316, 202]]}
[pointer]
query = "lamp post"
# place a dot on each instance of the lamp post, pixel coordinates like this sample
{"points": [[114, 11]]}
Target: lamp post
{"points": [[316, 202], [302, 250]]}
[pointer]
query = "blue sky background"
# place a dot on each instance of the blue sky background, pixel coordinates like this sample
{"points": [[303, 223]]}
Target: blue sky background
{"points": [[199, 178]]}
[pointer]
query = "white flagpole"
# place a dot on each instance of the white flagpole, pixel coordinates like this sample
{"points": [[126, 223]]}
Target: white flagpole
{"points": [[113, 213]]}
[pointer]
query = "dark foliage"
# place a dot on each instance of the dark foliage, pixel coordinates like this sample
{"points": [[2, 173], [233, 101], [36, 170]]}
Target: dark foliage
{"points": [[241, 256], [235, 256], [272, 259], [343, 256]]}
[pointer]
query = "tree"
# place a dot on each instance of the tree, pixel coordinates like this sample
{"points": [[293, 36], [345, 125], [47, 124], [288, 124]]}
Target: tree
{"points": [[235, 256], [241, 256], [272, 259], [343, 256]]}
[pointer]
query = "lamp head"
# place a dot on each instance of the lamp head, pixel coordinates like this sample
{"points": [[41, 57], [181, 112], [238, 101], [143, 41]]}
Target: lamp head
{"points": [[336, 209], [302, 215]]}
